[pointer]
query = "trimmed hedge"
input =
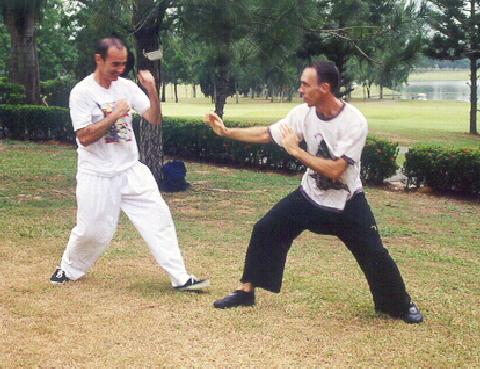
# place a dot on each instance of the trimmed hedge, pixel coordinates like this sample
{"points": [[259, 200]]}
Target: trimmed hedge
{"points": [[444, 169], [11, 93], [379, 160], [192, 139], [57, 91], [36, 122]]}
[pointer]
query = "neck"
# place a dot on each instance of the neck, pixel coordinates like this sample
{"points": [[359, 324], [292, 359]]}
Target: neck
{"points": [[105, 83], [329, 108]]}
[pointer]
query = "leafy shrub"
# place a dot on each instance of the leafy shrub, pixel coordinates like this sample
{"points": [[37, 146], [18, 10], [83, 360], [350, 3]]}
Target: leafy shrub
{"points": [[192, 139], [57, 91], [36, 122], [444, 169], [378, 160], [11, 93]]}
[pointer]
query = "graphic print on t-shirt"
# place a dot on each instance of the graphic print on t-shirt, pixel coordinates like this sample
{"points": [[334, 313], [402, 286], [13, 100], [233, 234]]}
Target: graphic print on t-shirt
{"points": [[324, 183], [118, 131]]}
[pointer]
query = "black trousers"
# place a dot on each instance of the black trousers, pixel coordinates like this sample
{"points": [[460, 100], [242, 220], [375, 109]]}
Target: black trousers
{"points": [[272, 237]]}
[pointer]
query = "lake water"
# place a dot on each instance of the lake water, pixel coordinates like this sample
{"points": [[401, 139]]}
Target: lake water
{"points": [[437, 90]]}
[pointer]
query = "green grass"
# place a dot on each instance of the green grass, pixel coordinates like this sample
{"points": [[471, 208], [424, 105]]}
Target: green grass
{"points": [[407, 122], [440, 75], [124, 313]]}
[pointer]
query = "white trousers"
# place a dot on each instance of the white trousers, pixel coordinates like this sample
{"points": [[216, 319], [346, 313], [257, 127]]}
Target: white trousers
{"points": [[99, 201]]}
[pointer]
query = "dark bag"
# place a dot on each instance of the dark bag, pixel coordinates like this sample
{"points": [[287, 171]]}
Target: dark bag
{"points": [[174, 173]]}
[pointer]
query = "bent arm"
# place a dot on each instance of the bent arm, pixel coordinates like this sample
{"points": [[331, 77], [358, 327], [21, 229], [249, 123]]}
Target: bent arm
{"points": [[154, 113], [330, 168], [93, 132]]}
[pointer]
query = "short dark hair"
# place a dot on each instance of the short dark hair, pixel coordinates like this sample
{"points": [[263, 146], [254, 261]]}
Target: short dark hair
{"points": [[327, 72], [101, 47]]}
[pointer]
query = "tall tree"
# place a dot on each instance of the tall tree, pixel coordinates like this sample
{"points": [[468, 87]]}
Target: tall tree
{"points": [[401, 25], [20, 18], [57, 53], [457, 35], [219, 23], [96, 19], [149, 19]]}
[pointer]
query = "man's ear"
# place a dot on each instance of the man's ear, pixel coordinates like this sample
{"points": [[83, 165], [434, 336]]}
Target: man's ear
{"points": [[98, 58], [325, 87]]}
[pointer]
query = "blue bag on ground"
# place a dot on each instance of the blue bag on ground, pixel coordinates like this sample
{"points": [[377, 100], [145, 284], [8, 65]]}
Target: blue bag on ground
{"points": [[174, 173]]}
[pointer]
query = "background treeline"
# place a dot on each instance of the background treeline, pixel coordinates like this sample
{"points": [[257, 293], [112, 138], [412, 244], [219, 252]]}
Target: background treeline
{"points": [[254, 48], [247, 47]]}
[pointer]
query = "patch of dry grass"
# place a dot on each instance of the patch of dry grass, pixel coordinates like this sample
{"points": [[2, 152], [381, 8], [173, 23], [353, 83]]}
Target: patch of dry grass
{"points": [[124, 313]]}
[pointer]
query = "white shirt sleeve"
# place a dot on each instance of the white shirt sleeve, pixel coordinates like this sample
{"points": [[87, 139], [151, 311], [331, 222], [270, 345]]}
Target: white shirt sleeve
{"points": [[351, 144], [140, 101], [294, 120], [80, 108]]}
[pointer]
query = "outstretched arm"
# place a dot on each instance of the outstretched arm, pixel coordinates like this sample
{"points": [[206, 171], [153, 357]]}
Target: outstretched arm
{"points": [[247, 134]]}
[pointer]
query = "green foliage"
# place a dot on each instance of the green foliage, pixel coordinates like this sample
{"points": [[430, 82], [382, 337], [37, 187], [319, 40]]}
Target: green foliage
{"points": [[4, 49], [444, 169], [95, 20], [11, 93], [192, 139], [36, 122], [57, 91], [57, 53], [378, 160]]}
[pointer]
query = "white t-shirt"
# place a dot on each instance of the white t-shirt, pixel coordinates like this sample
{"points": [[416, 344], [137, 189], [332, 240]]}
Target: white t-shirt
{"points": [[342, 136], [90, 103]]}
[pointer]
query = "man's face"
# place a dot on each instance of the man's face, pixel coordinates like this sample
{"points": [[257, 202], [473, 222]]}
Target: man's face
{"points": [[113, 65], [311, 91]]}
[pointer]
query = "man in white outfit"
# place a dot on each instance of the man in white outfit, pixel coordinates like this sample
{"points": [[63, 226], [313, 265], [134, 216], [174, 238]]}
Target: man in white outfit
{"points": [[110, 178]]}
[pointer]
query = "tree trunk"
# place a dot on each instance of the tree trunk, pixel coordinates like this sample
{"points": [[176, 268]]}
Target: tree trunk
{"points": [[381, 92], [223, 62], [147, 39], [175, 91], [164, 86], [23, 55], [473, 96]]}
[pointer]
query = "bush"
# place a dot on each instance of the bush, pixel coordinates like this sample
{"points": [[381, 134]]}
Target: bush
{"points": [[192, 139], [11, 93], [378, 160], [36, 122], [444, 169], [57, 91]]}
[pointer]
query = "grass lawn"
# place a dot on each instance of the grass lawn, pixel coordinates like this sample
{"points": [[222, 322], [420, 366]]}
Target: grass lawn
{"points": [[407, 122], [440, 75], [124, 313]]}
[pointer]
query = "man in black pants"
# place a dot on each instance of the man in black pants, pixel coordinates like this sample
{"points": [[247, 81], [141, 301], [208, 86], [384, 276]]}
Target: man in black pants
{"points": [[330, 199]]}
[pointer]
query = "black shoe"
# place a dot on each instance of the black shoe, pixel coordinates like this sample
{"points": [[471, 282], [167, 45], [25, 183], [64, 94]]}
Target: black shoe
{"points": [[59, 277], [411, 316], [193, 284], [236, 298]]}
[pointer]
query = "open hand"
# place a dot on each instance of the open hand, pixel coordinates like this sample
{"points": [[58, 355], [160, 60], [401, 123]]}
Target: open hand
{"points": [[290, 139], [214, 121]]}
